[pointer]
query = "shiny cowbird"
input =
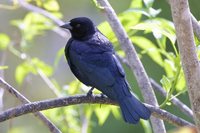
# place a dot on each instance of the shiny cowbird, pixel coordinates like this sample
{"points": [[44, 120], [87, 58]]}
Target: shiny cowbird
{"points": [[92, 60]]}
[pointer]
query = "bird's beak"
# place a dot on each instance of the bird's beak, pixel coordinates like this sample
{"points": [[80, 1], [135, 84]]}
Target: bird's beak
{"points": [[66, 26]]}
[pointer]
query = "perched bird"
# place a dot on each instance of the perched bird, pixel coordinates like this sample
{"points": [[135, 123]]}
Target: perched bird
{"points": [[92, 60]]}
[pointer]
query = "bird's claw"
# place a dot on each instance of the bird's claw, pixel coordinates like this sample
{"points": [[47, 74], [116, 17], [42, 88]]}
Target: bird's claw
{"points": [[103, 95], [89, 94]]}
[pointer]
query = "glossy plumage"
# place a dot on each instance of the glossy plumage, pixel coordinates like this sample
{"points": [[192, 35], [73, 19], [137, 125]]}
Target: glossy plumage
{"points": [[92, 60]]}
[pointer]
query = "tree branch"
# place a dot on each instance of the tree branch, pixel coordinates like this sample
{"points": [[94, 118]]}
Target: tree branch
{"points": [[83, 99], [195, 26], [183, 25], [14, 92], [134, 61]]}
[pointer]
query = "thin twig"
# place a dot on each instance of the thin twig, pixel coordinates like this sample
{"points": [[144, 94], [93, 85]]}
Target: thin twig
{"points": [[13, 91], [84, 99], [183, 107], [195, 26], [134, 61], [182, 20]]}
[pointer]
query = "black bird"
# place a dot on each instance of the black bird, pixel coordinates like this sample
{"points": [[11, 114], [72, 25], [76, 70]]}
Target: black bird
{"points": [[92, 60]]}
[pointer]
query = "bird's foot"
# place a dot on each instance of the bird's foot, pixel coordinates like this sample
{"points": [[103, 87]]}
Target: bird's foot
{"points": [[89, 94]]}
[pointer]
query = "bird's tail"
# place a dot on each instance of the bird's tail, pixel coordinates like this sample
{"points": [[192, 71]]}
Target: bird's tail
{"points": [[132, 109]]}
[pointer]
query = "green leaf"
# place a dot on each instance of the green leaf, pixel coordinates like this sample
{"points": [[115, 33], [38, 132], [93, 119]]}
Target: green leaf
{"points": [[148, 3], [166, 83], [115, 112], [51, 5], [146, 125], [73, 87], [143, 11], [181, 83], [158, 27], [169, 68], [46, 69], [102, 113], [97, 4], [33, 24], [31, 66], [154, 12], [149, 48], [22, 70], [107, 31], [4, 41], [136, 4]]}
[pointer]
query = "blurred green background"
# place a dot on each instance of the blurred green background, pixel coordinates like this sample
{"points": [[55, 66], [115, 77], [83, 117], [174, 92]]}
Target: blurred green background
{"points": [[45, 47]]}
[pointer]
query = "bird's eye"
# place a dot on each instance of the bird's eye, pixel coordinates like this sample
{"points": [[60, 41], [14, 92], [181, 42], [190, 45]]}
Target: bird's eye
{"points": [[78, 25]]}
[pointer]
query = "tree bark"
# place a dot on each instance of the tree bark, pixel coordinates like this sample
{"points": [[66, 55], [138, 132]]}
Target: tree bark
{"points": [[185, 38]]}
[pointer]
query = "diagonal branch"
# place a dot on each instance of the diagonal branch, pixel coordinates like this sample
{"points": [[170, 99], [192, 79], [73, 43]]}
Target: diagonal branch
{"points": [[84, 99], [134, 61], [14, 92]]}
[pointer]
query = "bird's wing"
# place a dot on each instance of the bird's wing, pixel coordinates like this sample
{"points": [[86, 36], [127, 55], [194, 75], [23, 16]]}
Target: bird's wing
{"points": [[101, 60]]}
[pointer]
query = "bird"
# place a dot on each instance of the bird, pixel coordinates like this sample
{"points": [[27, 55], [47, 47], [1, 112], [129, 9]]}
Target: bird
{"points": [[93, 61]]}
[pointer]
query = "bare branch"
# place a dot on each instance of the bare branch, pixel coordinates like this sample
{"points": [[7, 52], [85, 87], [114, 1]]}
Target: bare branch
{"points": [[14, 92], [84, 99], [134, 61], [182, 20]]}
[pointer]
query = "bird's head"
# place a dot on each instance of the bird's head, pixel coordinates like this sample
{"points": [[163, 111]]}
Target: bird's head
{"points": [[81, 28]]}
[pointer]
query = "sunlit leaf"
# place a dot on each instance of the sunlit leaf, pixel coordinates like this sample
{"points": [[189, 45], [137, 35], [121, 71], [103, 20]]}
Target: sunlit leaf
{"points": [[51, 5], [148, 3], [4, 41], [158, 26], [102, 113], [46, 69], [107, 31], [143, 11], [33, 24], [31, 67], [166, 83], [115, 111], [22, 70], [73, 87], [147, 46], [121, 53], [169, 68], [154, 12], [181, 83], [146, 125], [136, 4]]}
